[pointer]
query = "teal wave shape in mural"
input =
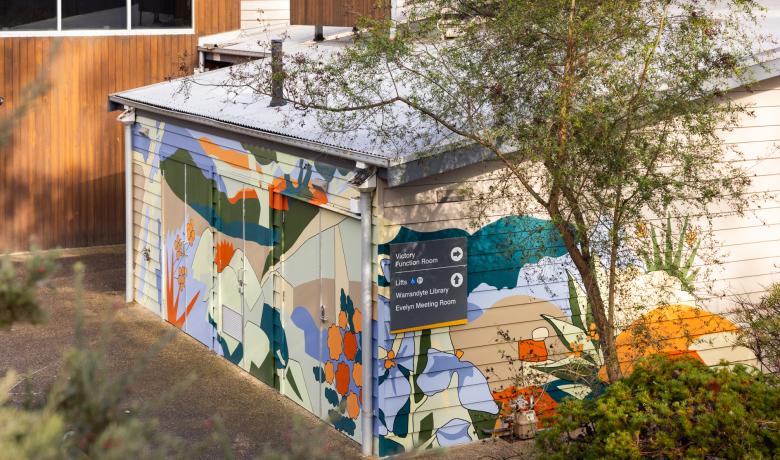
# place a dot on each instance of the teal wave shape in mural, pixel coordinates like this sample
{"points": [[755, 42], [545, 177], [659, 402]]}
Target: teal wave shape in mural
{"points": [[498, 251]]}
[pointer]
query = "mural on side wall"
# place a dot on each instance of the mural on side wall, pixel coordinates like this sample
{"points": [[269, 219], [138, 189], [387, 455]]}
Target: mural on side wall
{"points": [[226, 254], [528, 310], [279, 296]]}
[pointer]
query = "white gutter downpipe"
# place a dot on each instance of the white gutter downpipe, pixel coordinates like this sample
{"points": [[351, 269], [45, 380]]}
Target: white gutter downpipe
{"points": [[127, 118], [366, 279]]}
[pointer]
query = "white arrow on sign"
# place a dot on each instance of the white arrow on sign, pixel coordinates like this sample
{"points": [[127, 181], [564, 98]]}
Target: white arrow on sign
{"points": [[456, 279], [456, 254]]}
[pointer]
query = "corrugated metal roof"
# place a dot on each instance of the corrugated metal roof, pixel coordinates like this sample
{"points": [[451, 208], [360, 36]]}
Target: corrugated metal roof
{"points": [[208, 96]]}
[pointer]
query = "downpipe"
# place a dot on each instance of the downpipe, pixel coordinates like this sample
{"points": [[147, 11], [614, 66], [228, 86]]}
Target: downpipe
{"points": [[366, 188], [127, 118]]}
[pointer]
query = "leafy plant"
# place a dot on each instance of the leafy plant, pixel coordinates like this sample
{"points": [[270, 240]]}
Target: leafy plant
{"points": [[670, 258], [599, 113], [19, 289], [89, 413], [671, 409], [761, 333], [581, 340]]}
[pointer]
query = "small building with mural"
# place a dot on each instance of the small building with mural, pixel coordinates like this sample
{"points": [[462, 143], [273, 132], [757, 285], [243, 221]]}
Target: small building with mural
{"points": [[356, 283]]}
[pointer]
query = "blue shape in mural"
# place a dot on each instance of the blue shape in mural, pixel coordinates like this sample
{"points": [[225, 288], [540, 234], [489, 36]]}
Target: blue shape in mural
{"points": [[456, 431], [473, 390]]}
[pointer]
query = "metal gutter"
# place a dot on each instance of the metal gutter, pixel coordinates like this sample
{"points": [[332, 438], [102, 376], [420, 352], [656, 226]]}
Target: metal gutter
{"points": [[117, 102]]}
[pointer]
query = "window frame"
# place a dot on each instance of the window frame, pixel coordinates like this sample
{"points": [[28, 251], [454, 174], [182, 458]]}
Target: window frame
{"points": [[102, 32]]}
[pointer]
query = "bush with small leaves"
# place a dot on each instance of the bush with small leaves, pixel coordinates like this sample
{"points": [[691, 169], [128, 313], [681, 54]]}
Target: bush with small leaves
{"points": [[671, 409], [19, 289]]}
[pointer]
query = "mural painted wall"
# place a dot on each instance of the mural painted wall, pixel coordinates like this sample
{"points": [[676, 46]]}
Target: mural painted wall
{"points": [[253, 253], [258, 261], [530, 334]]}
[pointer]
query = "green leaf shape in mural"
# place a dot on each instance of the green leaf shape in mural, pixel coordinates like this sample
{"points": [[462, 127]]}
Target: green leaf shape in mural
{"points": [[422, 361], [574, 303], [572, 368], [426, 430], [580, 318], [483, 422], [296, 218], [575, 339], [670, 259]]}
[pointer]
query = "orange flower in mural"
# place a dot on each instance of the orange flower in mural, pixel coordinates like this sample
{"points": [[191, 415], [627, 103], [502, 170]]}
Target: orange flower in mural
{"points": [[389, 361], [357, 374], [357, 320], [350, 345], [182, 278], [334, 342], [190, 232], [342, 378], [577, 348], [353, 405], [532, 351], [329, 373], [178, 246], [593, 333], [222, 258], [171, 302], [343, 319]]}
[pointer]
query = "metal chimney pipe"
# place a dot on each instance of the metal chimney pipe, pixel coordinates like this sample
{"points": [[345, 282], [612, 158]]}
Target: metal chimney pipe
{"points": [[277, 74]]}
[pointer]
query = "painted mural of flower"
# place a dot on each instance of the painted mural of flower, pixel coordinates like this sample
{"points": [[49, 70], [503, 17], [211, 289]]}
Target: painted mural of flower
{"points": [[182, 278], [190, 232], [340, 349], [178, 276], [178, 247], [473, 390]]}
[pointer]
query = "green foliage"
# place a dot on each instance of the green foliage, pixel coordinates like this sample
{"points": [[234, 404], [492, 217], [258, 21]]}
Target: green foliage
{"points": [[27, 434], [670, 258], [601, 113], [671, 409], [762, 328], [19, 289], [89, 412]]}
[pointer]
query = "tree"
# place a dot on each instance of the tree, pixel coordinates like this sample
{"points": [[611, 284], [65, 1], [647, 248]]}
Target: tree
{"points": [[601, 113], [761, 333]]}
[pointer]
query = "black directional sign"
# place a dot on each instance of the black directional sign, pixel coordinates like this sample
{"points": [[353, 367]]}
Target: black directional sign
{"points": [[428, 285]]}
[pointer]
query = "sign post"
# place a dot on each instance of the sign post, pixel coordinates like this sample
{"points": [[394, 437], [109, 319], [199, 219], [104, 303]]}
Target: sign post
{"points": [[428, 285]]}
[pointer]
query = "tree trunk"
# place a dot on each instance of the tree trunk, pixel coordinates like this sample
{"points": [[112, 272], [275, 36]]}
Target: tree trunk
{"points": [[583, 262]]}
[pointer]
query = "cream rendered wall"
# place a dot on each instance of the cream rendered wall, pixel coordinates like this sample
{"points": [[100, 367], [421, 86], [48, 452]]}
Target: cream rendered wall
{"points": [[257, 13]]}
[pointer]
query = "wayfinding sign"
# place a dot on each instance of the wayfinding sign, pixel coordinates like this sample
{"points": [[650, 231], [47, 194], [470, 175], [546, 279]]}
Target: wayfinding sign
{"points": [[428, 285]]}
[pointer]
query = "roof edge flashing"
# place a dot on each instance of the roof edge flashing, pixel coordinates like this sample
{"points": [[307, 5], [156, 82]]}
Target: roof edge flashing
{"points": [[119, 102]]}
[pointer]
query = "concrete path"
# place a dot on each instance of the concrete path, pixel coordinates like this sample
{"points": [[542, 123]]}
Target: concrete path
{"points": [[255, 416]]}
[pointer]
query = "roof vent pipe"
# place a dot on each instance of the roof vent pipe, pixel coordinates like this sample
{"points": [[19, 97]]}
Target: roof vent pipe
{"points": [[277, 74]]}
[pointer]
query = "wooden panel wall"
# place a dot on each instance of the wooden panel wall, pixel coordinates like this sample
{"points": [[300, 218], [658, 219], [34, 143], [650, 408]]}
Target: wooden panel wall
{"points": [[61, 177], [342, 13]]}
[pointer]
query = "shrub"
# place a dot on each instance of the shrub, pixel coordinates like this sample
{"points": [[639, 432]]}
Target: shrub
{"points": [[671, 409], [19, 289], [761, 333]]}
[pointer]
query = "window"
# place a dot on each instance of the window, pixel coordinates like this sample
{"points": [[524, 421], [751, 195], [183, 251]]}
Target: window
{"points": [[94, 14], [156, 14], [28, 15], [66, 16]]}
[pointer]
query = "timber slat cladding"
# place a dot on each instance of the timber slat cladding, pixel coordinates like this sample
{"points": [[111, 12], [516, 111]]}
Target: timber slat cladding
{"points": [[62, 174], [341, 13]]}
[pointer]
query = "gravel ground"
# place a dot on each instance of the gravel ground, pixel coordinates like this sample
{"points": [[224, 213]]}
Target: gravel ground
{"points": [[255, 417]]}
